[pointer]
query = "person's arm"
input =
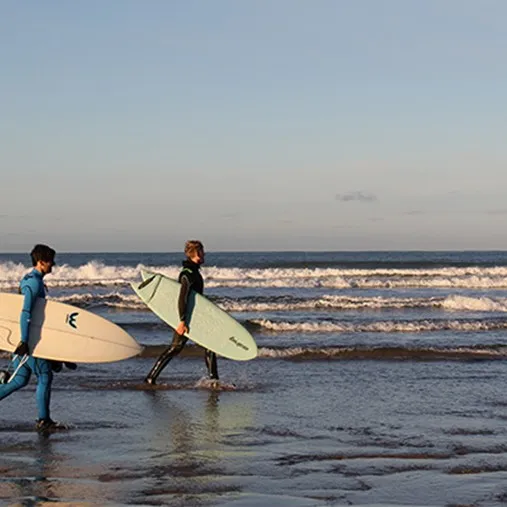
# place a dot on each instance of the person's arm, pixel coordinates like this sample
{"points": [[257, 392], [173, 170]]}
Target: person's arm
{"points": [[186, 285], [29, 292]]}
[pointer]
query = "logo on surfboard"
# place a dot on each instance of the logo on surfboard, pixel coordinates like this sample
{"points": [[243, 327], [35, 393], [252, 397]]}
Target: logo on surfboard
{"points": [[237, 343], [71, 319]]}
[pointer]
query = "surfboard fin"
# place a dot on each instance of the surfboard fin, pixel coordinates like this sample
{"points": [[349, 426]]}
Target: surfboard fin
{"points": [[146, 282]]}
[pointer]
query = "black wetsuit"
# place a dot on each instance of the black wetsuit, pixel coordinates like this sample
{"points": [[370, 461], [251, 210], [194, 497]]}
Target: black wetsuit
{"points": [[190, 279]]}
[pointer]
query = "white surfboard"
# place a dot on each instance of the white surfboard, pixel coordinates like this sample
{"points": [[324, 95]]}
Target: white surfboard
{"points": [[64, 333], [208, 325]]}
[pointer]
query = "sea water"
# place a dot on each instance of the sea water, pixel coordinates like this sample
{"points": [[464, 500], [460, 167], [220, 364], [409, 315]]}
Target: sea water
{"points": [[380, 381]]}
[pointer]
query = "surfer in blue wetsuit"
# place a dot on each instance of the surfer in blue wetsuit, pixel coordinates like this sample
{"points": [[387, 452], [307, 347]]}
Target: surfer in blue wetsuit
{"points": [[190, 279], [32, 287]]}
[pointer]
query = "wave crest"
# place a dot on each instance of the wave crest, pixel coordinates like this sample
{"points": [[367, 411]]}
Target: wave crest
{"points": [[96, 273], [387, 326]]}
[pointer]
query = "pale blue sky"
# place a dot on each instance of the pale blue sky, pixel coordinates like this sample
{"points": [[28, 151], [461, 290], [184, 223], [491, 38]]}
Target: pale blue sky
{"points": [[253, 124]]}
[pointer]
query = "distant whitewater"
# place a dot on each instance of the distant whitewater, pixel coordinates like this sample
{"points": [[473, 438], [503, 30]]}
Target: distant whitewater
{"points": [[95, 273], [334, 305]]}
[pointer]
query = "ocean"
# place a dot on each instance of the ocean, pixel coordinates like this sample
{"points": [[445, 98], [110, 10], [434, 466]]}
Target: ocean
{"points": [[380, 380]]}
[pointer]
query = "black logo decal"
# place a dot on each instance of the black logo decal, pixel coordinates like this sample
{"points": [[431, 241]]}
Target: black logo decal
{"points": [[238, 344], [71, 319]]}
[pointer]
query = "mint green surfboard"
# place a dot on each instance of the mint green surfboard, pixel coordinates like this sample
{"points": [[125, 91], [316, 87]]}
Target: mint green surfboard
{"points": [[208, 325]]}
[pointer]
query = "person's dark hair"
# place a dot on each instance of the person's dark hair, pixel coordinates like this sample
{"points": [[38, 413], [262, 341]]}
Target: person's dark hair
{"points": [[42, 253]]}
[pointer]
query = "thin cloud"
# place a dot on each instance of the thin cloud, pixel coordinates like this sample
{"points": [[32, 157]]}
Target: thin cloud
{"points": [[413, 213], [497, 212], [357, 196], [342, 227], [4, 216], [231, 215]]}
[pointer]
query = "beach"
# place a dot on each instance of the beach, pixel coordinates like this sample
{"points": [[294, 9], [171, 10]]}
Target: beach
{"points": [[380, 380]]}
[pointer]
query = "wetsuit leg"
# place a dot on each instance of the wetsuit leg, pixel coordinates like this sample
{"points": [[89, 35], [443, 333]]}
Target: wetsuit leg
{"points": [[175, 348], [19, 380], [211, 363], [44, 374]]}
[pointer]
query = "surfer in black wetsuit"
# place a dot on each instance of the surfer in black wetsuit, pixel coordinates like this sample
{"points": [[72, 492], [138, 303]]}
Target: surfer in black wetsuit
{"points": [[190, 279]]}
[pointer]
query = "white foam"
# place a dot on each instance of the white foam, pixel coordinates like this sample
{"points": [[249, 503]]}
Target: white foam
{"points": [[389, 326], [378, 352], [329, 302], [479, 304], [97, 273], [90, 274], [111, 299], [266, 352]]}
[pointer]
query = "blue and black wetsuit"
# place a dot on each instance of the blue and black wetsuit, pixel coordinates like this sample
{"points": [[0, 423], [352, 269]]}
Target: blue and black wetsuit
{"points": [[32, 287], [191, 279]]}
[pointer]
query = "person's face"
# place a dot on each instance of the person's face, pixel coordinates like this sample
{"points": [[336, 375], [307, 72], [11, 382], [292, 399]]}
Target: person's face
{"points": [[46, 266], [198, 256]]}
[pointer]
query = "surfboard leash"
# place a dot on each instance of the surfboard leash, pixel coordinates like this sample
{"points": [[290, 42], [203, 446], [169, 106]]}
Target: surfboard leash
{"points": [[22, 361]]}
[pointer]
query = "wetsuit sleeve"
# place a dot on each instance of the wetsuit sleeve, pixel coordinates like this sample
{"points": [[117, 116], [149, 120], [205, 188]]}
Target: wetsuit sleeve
{"points": [[29, 291], [186, 285]]}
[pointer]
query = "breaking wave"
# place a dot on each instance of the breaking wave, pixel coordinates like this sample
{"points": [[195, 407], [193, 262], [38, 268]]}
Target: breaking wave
{"points": [[387, 326], [386, 353], [95, 273], [356, 353], [259, 304]]}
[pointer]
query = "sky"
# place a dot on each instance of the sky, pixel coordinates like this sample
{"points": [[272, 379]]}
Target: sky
{"points": [[253, 125]]}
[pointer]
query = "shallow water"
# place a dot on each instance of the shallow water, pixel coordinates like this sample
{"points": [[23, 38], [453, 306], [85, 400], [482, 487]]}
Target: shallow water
{"points": [[287, 433], [380, 381]]}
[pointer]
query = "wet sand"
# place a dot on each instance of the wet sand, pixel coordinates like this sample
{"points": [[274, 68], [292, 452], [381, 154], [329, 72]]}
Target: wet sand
{"points": [[277, 433]]}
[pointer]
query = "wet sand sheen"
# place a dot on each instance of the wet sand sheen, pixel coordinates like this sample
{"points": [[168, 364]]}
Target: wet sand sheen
{"points": [[280, 438]]}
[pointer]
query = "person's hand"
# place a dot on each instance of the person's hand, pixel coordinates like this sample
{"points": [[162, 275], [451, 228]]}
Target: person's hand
{"points": [[56, 366], [22, 349], [182, 328]]}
